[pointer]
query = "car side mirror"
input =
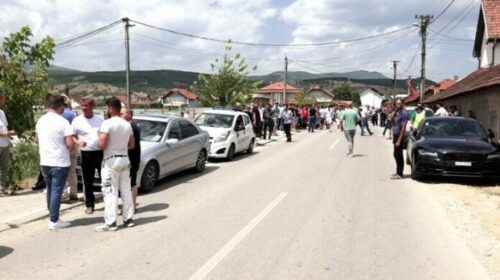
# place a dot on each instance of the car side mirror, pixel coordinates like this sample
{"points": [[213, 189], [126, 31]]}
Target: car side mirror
{"points": [[171, 142]]}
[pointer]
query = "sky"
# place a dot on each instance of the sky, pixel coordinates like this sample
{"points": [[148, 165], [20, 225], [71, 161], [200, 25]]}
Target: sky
{"points": [[278, 22]]}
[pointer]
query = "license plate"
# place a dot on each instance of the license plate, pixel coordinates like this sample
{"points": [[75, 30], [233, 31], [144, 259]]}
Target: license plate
{"points": [[463, 163]]}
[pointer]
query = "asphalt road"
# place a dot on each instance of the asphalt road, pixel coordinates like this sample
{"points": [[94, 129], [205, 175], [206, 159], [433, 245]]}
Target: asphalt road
{"points": [[298, 210]]}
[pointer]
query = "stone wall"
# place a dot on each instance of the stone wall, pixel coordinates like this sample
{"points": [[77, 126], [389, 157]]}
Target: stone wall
{"points": [[484, 104]]}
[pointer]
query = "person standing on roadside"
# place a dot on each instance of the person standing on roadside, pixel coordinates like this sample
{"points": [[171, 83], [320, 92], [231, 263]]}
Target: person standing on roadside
{"points": [[401, 118], [268, 121], [348, 123], [115, 139], [276, 117], [5, 135], [86, 130], [313, 115], [256, 119], [287, 116], [54, 137], [71, 193], [134, 154], [441, 111]]}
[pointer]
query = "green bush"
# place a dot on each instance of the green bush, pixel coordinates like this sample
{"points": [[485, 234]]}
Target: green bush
{"points": [[24, 163]]}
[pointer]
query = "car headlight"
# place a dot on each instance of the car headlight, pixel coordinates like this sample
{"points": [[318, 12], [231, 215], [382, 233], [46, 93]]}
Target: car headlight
{"points": [[494, 156], [427, 153], [223, 137]]}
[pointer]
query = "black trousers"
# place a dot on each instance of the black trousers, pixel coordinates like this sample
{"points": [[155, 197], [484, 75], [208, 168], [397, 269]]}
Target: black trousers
{"points": [[287, 132], [398, 155], [268, 127], [91, 161]]}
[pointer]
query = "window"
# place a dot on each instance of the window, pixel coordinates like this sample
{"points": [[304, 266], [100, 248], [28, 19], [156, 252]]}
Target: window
{"points": [[175, 131], [151, 131], [239, 123], [187, 129], [215, 120], [246, 119]]}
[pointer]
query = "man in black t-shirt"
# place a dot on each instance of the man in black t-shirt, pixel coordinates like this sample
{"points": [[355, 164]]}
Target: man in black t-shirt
{"points": [[134, 155], [313, 114], [256, 120]]}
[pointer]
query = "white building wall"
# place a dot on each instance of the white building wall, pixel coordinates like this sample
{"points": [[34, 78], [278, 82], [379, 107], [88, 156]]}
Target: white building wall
{"points": [[487, 53], [370, 98]]}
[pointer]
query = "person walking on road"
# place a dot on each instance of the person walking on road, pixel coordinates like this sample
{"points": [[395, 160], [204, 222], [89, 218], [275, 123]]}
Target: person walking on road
{"points": [[313, 115], [54, 137], [86, 129], [287, 116], [268, 121], [115, 139], [134, 154], [348, 122], [365, 115], [5, 135], [401, 118]]}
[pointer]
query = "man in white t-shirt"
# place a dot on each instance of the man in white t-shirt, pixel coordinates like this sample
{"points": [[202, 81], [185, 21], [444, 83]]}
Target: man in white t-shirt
{"points": [[441, 111], [86, 129], [53, 134], [5, 134], [116, 138]]}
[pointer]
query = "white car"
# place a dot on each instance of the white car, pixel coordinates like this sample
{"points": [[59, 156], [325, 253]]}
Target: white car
{"points": [[230, 132]]}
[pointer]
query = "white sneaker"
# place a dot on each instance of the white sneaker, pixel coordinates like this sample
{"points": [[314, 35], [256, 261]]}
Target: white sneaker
{"points": [[59, 224], [106, 227]]}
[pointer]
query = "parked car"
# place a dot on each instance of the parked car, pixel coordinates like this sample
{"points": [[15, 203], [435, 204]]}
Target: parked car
{"points": [[169, 144], [230, 132], [452, 146]]}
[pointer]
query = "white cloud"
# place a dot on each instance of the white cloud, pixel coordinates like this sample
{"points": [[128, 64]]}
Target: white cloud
{"points": [[302, 21]]}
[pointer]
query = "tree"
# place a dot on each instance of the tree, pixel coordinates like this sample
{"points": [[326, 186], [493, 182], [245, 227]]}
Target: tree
{"points": [[228, 82], [302, 98], [24, 76], [343, 92]]}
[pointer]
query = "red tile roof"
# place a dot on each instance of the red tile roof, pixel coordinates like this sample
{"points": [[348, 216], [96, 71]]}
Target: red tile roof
{"points": [[481, 78], [184, 92], [278, 87], [491, 9]]}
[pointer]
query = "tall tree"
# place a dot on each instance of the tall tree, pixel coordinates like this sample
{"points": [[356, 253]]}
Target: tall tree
{"points": [[343, 92], [228, 82], [303, 98], [24, 76]]}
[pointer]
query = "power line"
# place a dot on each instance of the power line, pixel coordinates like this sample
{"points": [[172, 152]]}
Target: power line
{"points": [[268, 44], [86, 35], [443, 11]]}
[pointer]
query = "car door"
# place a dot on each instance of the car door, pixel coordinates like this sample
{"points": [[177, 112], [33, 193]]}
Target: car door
{"points": [[191, 144], [172, 158], [239, 130], [249, 135]]}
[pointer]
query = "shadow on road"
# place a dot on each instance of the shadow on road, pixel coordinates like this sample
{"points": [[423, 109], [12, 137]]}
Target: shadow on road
{"points": [[237, 157], [183, 177], [87, 221], [147, 220], [470, 182], [5, 251], [153, 207]]}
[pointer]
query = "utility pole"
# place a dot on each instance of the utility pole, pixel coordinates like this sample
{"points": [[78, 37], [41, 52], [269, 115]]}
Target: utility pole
{"points": [[127, 60], [424, 22], [395, 68], [284, 78]]}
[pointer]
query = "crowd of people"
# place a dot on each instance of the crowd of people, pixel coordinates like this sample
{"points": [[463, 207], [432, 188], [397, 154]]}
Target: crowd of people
{"points": [[110, 147]]}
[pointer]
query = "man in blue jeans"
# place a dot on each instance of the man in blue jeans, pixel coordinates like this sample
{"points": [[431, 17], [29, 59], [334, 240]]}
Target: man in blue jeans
{"points": [[53, 134]]}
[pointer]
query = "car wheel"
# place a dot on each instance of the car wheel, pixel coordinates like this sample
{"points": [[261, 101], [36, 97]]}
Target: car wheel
{"points": [[250, 148], [415, 175], [201, 161], [149, 177], [230, 153]]}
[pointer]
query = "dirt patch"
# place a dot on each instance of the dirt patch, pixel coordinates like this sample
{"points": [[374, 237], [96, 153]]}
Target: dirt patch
{"points": [[475, 212]]}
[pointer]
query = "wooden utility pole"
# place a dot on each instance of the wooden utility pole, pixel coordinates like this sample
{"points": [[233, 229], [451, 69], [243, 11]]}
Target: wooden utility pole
{"points": [[284, 78], [424, 22], [127, 60], [395, 68]]}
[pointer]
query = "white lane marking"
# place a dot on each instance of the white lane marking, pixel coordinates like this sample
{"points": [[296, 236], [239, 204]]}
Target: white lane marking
{"points": [[334, 144], [229, 246]]}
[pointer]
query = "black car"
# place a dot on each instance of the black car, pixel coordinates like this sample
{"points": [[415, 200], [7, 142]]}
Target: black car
{"points": [[452, 146]]}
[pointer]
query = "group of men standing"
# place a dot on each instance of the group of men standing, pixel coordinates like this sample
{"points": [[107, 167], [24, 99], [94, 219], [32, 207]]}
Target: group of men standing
{"points": [[106, 146]]}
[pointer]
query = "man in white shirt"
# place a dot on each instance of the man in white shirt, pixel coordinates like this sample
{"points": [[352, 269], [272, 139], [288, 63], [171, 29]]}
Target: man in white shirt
{"points": [[5, 134], [287, 116], [53, 133], [86, 130], [441, 111], [116, 138]]}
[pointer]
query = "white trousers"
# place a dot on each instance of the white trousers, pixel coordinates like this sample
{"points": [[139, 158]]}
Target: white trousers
{"points": [[116, 177]]}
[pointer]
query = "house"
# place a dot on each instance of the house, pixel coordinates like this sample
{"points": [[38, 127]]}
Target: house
{"points": [[322, 96], [371, 97], [478, 94], [179, 96], [140, 98], [273, 93], [414, 97]]}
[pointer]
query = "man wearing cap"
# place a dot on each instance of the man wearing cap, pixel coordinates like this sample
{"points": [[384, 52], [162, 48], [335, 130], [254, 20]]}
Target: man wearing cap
{"points": [[419, 116], [5, 134]]}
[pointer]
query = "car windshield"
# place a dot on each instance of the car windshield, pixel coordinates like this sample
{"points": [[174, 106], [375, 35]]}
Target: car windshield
{"points": [[453, 128], [215, 120], [151, 131]]}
